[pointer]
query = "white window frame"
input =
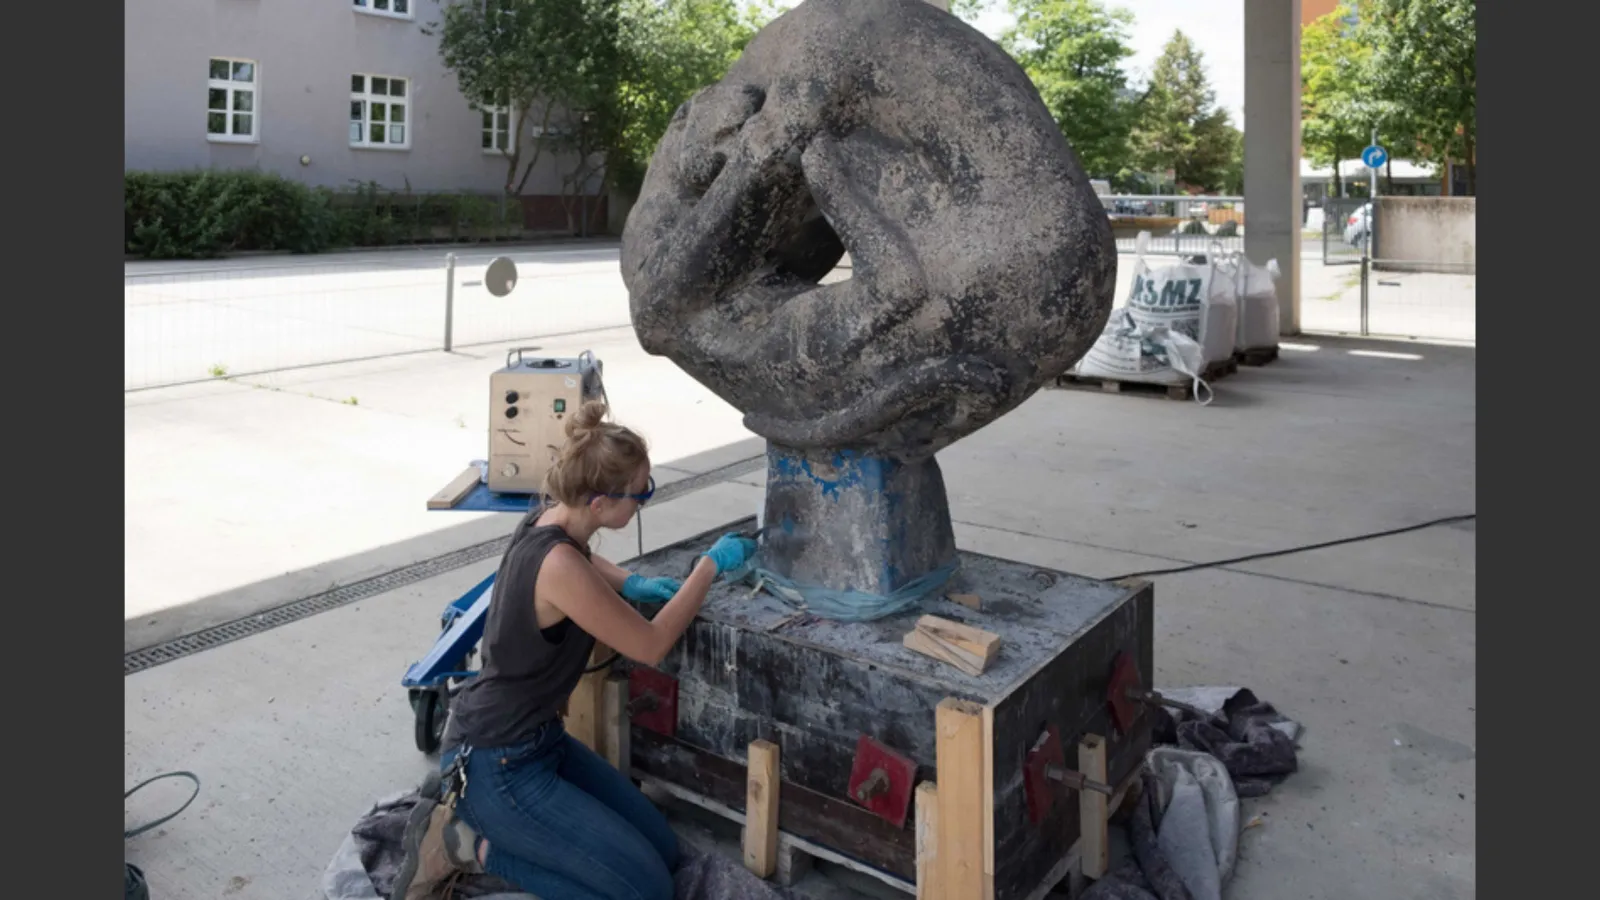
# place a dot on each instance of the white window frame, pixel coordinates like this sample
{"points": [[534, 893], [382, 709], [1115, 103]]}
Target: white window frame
{"points": [[511, 129], [370, 8], [228, 87], [366, 98]]}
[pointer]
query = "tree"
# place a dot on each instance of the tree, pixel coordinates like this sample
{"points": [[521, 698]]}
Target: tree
{"points": [[536, 59], [1073, 50], [1424, 72], [1337, 102], [1217, 161], [1177, 125], [672, 48]]}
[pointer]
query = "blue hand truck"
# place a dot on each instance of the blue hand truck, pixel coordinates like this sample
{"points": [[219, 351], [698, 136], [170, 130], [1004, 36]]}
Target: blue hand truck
{"points": [[431, 680]]}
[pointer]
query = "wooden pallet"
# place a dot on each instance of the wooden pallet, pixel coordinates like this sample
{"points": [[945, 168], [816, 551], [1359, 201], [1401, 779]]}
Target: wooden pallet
{"points": [[1256, 356], [1184, 391], [949, 831]]}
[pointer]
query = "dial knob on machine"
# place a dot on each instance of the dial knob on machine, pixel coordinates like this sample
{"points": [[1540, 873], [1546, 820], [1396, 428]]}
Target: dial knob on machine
{"points": [[511, 413], [509, 470], [511, 396]]}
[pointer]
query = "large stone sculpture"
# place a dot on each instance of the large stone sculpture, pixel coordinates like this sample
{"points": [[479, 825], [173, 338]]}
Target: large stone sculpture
{"points": [[982, 267]]}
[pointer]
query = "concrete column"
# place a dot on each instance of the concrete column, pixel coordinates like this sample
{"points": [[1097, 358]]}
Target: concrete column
{"points": [[1272, 203]]}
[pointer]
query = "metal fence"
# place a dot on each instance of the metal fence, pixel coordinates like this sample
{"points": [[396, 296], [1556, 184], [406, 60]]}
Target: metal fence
{"points": [[190, 324], [1179, 224], [1420, 299], [1347, 230], [1391, 298]]}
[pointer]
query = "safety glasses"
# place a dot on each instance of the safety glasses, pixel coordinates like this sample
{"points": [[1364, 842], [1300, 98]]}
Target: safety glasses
{"points": [[642, 499]]}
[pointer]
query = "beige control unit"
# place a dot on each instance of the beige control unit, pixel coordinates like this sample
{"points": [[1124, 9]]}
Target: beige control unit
{"points": [[530, 401]]}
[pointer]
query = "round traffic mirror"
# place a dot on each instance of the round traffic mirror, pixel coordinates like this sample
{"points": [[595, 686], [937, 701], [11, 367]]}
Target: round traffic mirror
{"points": [[501, 277]]}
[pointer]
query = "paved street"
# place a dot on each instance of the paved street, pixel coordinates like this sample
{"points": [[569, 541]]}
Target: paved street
{"points": [[189, 322]]}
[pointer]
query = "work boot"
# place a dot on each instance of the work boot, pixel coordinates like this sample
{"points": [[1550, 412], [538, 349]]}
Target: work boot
{"points": [[438, 847]]}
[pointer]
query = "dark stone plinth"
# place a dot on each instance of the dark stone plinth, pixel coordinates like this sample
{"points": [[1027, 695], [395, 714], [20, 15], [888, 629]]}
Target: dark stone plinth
{"points": [[748, 668], [851, 522]]}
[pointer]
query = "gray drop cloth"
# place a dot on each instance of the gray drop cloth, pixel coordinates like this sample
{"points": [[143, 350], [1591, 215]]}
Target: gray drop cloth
{"points": [[367, 861], [1199, 833], [1249, 737], [1184, 830]]}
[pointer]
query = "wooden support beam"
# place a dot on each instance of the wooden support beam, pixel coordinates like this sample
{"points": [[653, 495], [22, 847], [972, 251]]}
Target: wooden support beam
{"points": [[456, 490], [793, 862], [1093, 842], [963, 796], [761, 809], [618, 724], [927, 818], [586, 706]]}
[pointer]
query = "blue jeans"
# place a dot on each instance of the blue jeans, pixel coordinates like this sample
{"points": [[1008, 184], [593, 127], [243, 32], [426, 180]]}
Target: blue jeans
{"points": [[563, 824]]}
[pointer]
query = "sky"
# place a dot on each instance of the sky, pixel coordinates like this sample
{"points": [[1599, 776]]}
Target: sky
{"points": [[1215, 26]]}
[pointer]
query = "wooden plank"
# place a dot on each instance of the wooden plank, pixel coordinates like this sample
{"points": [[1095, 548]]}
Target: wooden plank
{"points": [[960, 760], [970, 601], [618, 724], [927, 819], [797, 851], [458, 488], [793, 862], [586, 706], [976, 641], [922, 642], [988, 803], [1093, 842], [846, 829], [761, 809]]}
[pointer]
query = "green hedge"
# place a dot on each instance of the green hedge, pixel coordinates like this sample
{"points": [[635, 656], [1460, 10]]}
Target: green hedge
{"points": [[200, 214]]}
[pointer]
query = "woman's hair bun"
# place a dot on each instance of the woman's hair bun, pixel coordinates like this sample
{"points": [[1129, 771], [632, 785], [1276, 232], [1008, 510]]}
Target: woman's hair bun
{"points": [[599, 457], [590, 416]]}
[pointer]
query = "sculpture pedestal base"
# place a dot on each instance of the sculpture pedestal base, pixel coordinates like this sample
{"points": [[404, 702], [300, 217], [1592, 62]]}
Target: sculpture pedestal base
{"points": [[849, 522], [750, 669]]}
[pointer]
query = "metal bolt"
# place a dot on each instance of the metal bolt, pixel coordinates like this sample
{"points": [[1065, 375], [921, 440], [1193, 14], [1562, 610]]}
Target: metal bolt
{"points": [[876, 783], [1076, 780], [1154, 699]]}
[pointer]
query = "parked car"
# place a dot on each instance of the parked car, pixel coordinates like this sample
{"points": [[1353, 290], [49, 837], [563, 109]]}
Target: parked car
{"points": [[1133, 207], [1358, 227]]}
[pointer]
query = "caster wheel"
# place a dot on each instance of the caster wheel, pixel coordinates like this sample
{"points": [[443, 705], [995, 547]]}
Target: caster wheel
{"points": [[430, 710]]}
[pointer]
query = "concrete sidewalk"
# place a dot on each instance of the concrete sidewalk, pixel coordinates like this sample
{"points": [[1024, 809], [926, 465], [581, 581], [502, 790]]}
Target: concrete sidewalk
{"points": [[249, 493], [297, 730]]}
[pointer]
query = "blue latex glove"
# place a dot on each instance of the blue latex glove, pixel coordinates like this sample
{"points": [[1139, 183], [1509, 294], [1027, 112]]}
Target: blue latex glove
{"points": [[730, 552], [640, 589]]}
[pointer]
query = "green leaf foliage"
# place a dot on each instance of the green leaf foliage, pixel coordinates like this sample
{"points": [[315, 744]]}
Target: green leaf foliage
{"points": [[1073, 51]]}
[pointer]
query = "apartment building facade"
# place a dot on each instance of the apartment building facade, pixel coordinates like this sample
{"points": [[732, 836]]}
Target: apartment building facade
{"points": [[328, 92]]}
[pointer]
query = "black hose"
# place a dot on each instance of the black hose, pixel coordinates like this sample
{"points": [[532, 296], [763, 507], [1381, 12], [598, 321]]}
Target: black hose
{"points": [[1302, 549]]}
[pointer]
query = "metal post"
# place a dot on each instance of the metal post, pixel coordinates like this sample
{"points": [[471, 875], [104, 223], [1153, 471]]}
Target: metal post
{"points": [[1372, 189], [1372, 198], [1365, 271], [450, 297]]}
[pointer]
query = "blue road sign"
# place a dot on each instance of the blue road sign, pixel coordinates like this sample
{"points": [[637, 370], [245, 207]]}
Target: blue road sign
{"points": [[1374, 157]]}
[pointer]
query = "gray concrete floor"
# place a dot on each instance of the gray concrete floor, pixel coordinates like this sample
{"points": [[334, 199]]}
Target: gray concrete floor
{"points": [[297, 730]]}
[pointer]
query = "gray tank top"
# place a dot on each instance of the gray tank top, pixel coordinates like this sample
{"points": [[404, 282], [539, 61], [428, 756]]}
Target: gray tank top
{"points": [[527, 672]]}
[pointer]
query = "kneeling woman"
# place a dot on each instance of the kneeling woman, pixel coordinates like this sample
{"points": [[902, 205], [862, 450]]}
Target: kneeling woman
{"points": [[552, 817]]}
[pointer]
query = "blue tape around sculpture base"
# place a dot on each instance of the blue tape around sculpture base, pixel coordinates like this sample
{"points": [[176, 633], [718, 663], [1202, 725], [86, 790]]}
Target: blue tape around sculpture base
{"points": [[848, 605]]}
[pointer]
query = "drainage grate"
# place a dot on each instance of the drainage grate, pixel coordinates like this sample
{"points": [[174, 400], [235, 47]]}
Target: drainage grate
{"points": [[217, 635]]}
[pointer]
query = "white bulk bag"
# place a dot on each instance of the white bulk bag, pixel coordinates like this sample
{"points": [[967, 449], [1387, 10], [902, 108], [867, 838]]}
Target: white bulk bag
{"points": [[1258, 303], [1190, 299], [1131, 350]]}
